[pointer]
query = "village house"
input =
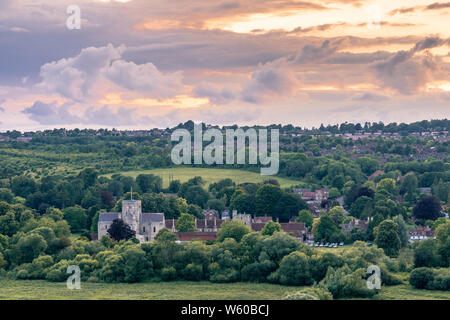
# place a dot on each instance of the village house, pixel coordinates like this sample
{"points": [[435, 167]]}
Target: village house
{"points": [[421, 233], [355, 223]]}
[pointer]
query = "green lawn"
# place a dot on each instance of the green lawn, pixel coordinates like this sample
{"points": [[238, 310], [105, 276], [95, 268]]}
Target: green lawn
{"points": [[40, 289], [210, 175]]}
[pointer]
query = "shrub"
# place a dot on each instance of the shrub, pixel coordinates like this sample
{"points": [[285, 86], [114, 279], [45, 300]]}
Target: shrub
{"points": [[136, 266], [431, 279], [343, 283], [312, 293], [193, 272], [293, 270], [58, 272], [420, 277], [112, 270], [168, 273]]}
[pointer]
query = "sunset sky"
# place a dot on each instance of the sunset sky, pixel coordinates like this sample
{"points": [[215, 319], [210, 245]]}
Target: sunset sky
{"points": [[156, 63]]}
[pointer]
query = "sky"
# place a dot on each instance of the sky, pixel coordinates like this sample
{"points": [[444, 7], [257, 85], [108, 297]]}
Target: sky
{"points": [[138, 64]]}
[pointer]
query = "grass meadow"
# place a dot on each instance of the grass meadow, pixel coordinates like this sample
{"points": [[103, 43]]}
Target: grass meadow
{"points": [[182, 290], [210, 175]]}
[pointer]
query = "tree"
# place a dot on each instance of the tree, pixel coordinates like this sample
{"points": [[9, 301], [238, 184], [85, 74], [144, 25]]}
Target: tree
{"points": [[165, 235], [306, 217], [216, 204], [119, 230], [266, 199], [443, 238], [6, 195], [387, 185], [107, 199], [359, 206], [174, 186], [76, 217], [270, 228], [420, 277], [387, 238], [243, 203], [288, 206], [136, 267], [426, 254], [88, 176], [337, 214], [186, 223], [294, 270], [197, 195], [427, 208], [23, 186], [232, 229], [326, 229], [31, 246], [149, 183], [402, 230]]}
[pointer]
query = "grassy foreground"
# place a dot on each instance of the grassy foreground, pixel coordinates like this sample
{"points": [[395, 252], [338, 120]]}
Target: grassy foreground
{"points": [[40, 289], [210, 175]]}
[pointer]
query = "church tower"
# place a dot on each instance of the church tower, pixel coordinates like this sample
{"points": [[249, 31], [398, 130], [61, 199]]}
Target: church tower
{"points": [[131, 213]]}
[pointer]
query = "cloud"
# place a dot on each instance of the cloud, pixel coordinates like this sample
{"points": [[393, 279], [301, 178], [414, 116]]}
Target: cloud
{"points": [[54, 114], [406, 72], [145, 78], [75, 77], [437, 6], [51, 113], [433, 6], [215, 95], [274, 79], [369, 96]]}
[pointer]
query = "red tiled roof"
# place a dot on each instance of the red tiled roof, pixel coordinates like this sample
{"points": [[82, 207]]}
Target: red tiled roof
{"points": [[203, 236], [264, 219]]}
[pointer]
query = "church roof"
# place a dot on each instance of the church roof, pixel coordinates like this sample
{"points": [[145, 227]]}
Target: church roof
{"points": [[108, 216], [152, 217]]}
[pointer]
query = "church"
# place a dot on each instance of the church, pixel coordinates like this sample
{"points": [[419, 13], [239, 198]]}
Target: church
{"points": [[146, 225]]}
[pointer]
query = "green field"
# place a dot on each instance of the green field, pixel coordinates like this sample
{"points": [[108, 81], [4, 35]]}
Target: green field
{"points": [[210, 175], [39, 289]]}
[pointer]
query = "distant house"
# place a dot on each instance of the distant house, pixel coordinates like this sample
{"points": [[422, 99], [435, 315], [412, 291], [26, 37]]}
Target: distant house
{"points": [[356, 223], [422, 232], [211, 214], [207, 229], [193, 236], [375, 174]]}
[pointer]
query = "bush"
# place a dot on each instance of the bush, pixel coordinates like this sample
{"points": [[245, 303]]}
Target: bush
{"points": [[431, 279], [168, 274], [136, 266], [420, 277], [58, 272], [193, 272], [342, 283], [35, 270], [112, 270], [294, 270], [312, 293]]}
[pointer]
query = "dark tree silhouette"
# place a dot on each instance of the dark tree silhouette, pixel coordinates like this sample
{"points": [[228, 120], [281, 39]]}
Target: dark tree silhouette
{"points": [[119, 230], [364, 191], [427, 208]]}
